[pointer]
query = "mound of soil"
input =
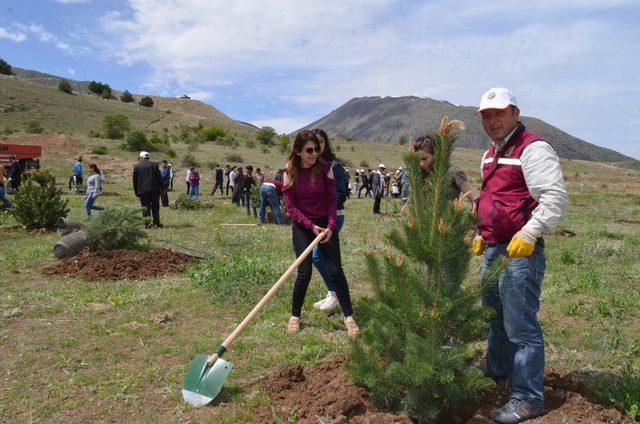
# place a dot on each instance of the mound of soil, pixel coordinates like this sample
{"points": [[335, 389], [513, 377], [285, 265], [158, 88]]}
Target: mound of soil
{"points": [[121, 264], [325, 393]]}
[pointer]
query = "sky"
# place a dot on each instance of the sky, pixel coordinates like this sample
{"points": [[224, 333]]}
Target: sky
{"points": [[285, 63]]}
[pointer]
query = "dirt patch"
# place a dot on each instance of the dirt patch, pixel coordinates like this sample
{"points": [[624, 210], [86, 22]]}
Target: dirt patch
{"points": [[564, 233], [121, 264], [627, 221], [325, 393], [54, 146]]}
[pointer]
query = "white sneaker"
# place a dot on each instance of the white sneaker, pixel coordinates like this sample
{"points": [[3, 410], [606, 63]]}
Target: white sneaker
{"points": [[319, 303], [330, 302]]}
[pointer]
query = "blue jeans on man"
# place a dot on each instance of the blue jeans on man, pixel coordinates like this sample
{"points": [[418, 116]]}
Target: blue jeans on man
{"points": [[318, 260], [515, 347], [194, 191], [269, 194], [4, 198]]}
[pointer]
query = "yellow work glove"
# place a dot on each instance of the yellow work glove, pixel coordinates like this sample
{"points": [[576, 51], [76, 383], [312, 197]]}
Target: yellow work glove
{"points": [[521, 245], [477, 245]]}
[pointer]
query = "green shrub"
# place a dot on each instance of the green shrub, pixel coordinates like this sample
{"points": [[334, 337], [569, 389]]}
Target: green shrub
{"points": [[7, 130], [620, 391], [402, 140], [5, 68], [211, 133], [64, 86], [250, 143], [265, 149], [115, 125], [33, 126], [364, 164], [39, 203], [100, 150], [266, 135], [146, 101], [234, 158], [136, 141], [99, 88], [185, 203], [106, 93], [236, 278], [226, 141], [189, 160], [284, 142], [94, 134], [127, 97], [117, 228], [171, 153]]}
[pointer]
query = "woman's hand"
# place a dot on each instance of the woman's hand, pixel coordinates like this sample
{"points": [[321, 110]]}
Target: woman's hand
{"points": [[327, 236], [317, 230]]}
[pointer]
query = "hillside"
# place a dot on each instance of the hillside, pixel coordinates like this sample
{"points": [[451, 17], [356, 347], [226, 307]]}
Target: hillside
{"points": [[389, 118], [35, 95]]}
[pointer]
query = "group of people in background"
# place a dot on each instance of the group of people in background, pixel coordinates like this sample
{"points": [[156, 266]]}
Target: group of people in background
{"points": [[11, 177]]}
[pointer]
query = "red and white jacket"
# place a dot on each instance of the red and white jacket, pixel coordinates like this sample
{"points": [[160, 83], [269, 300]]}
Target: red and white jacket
{"points": [[522, 188]]}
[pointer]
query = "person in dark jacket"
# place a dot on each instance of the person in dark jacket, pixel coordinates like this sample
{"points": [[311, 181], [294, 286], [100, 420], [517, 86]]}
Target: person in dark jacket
{"points": [[147, 184], [218, 178], [238, 187], [165, 173], [249, 183]]}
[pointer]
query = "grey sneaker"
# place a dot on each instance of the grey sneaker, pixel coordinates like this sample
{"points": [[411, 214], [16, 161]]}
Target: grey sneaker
{"points": [[516, 411]]}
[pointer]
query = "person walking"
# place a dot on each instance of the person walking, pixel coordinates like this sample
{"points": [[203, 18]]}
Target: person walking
{"points": [[523, 197], [310, 198], [15, 175], [342, 183], [404, 181], [76, 174], [172, 173], [356, 183], [227, 171], [219, 178], [165, 173], [270, 194], [231, 181], [377, 188], [187, 178], [147, 183], [365, 183], [238, 187], [249, 183], [3, 192], [194, 183], [94, 189]]}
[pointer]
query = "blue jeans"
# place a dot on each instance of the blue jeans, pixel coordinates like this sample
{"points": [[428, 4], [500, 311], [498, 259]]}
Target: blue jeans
{"points": [[515, 348], [4, 198], [194, 191], [268, 194], [88, 205], [318, 260]]}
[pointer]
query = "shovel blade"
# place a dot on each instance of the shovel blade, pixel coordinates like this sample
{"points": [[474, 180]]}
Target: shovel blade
{"points": [[202, 382]]}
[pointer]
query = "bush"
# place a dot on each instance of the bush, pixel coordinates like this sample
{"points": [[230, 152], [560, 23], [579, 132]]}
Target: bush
{"points": [[364, 164], [250, 143], [171, 153], [106, 94], [7, 130], [189, 160], [237, 277], [211, 133], [94, 134], [117, 228], [185, 203], [33, 126], [127, 97], [146, 101], [265, 149], [402, 140], [136, 141], [115, 125], [226, 141], [5, 68], [266, 135], [234, 157], [64, 86], [284, 142], [100, 150], [38, 203], [99, 88]]}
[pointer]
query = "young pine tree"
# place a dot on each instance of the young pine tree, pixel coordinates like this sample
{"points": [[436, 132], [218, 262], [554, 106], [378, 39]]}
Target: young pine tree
{"points": [[38, 203], [415, 352]]}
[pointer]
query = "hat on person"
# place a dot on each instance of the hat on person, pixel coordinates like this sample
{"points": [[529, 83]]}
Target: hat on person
{"points": [[144, 154], [497, 98], [381, 166]]}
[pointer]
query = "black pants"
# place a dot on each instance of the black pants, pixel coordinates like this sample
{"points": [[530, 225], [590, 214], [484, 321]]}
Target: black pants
{"points": [[215, 188], [151, 204], [376, 204], [164, 196], [366, 191], [228, 182], [249, 204], [302, 238]]}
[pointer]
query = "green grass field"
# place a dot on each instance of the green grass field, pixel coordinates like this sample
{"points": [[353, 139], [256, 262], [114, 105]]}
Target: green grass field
{"points": [[76, 351]]}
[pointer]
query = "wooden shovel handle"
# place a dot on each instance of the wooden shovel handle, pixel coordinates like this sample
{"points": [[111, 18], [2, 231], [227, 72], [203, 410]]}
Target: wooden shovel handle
{"points": [[229, 340]]}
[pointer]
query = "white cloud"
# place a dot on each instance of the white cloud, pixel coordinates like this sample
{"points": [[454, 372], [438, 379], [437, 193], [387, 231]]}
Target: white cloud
{"points": [[71, 71], [18, 37], [283, 124], [559, 57], [200, 95], [72, 1]]}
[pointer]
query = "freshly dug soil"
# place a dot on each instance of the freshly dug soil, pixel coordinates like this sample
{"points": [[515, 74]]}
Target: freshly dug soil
{"points": [[121, 264], [325, 393]]}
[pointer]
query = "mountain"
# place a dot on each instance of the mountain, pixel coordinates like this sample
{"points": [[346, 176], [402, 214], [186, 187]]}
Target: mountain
{"points": [[35, 95], [389, 118]]}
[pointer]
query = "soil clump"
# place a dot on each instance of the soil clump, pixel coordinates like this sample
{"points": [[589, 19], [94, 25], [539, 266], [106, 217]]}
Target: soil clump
{"points": [[325, 393], [121, 264]]}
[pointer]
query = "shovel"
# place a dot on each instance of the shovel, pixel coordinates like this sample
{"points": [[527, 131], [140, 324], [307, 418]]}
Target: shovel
{"points": [[207, 373]]}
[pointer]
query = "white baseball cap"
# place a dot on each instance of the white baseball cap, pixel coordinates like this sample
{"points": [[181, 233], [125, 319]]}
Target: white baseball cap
{"points": [[381, 165], [497, 98], [144, 154]]}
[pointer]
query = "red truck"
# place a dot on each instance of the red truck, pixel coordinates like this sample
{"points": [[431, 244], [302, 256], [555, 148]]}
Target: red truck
{"points": [[24, 153]]}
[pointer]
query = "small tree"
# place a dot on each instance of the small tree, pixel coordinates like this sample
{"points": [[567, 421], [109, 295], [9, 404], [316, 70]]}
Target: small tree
{"points": [[64, 86], [402, 140], [5, 68], [189, 160], [415, 352], [117, 228], [266, 135], [284, 141], [99, 88], [33, 126], [115, 125], [127, 97], [136, 141], [211, 133], [38, 203], [106, 94], [364, 164], [146, 101]]}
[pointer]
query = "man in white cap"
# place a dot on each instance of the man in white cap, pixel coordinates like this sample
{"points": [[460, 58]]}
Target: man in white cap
{"points": [[523, 197], [147, 185], [377, 187]]}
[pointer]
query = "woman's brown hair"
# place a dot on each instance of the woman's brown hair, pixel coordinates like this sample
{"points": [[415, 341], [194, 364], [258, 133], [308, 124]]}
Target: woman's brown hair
{"points": [[423, 142], [294, 162]]}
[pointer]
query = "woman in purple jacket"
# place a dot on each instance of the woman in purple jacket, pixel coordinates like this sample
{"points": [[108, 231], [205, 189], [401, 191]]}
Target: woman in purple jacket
{"points": [[310, 198]]}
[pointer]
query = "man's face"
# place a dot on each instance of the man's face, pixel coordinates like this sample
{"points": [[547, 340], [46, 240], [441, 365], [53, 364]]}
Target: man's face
{"points": [[498, 123]]}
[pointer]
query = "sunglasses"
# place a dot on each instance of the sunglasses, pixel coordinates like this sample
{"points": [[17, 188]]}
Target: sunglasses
{"points": [[312, 150]]}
